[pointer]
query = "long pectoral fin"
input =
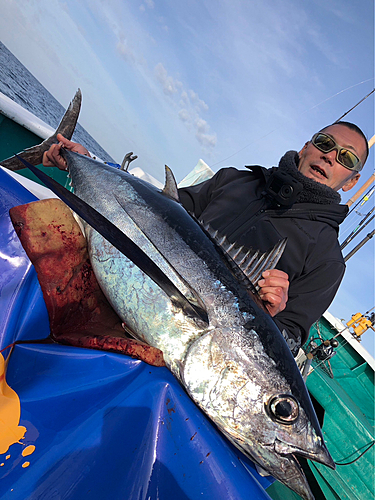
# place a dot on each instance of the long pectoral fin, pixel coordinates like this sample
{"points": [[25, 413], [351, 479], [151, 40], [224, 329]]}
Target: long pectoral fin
{"points": [[34, 155], [119, 240], [185, 288]]}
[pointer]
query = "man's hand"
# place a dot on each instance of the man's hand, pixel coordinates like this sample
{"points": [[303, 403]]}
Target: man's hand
{"points": [[53, 158], [274, 287]]}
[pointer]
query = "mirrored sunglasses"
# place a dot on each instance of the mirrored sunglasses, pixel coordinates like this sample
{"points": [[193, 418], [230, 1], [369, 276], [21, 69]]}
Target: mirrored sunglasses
{"points": [[344, 156]]}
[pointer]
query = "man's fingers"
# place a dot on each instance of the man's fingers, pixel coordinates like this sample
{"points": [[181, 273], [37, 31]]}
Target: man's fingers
{"points": [[52, 157], [274, 282], [274, 287], [66, 142], [271, 298], [46, 162], [275, 291], [275, 273], [274, 303], [274, 278], [73, 146]]}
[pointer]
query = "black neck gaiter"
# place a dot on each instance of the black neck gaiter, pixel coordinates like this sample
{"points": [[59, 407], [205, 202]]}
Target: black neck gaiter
{"points": [[313, 192]]}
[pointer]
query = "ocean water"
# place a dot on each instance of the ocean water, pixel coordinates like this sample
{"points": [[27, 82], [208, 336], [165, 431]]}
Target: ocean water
{"points": [[17, 83]]}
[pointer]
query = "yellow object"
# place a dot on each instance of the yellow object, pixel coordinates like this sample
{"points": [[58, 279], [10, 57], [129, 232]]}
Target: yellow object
{"points": [[354, 319], [363, 325], [10, 412], [28, 450], [359, 323]]}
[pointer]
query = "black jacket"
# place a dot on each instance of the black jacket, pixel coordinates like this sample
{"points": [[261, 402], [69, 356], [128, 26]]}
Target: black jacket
{"points": [[234, 203]]}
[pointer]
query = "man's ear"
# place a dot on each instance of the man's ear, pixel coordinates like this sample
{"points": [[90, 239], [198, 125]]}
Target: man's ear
{"points": [[303, 149], [351, 182]]}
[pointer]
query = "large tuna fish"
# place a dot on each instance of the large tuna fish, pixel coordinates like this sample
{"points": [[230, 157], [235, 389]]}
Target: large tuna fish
{"points": [[225, 350]]}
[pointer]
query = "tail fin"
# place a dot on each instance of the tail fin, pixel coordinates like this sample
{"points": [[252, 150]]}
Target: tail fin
{"points": [[34, 155]]}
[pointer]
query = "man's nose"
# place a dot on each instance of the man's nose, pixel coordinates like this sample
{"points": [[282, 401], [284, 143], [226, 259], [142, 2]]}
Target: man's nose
{"points": [[330, 157]]}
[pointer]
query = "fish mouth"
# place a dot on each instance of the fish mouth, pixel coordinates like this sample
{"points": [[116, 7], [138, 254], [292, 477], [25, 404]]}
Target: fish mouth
{"points": [[292, 474], [280, 460], [286, 469], [321, 455], [319, 170]]}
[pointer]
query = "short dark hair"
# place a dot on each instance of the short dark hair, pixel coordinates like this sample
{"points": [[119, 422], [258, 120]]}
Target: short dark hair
{"points": [[354, 127]]}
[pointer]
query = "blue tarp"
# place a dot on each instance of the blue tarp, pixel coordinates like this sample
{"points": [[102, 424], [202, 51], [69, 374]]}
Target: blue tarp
{"points": [[103, 425]]}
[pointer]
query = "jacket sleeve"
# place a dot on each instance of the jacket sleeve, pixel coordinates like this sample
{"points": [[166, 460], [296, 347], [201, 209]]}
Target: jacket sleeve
{"points": [[309, 297]]}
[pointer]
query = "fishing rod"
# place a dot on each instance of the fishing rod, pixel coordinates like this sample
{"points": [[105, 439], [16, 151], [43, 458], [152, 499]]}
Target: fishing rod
{"points": [[366, 197], [360, 245], [358, 103], [306, 111], [356, 195], [358, 229], [363, 200], [368, 183], [367, 312]]}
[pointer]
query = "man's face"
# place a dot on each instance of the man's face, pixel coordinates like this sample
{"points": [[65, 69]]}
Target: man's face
{"points": [[324, 167]]}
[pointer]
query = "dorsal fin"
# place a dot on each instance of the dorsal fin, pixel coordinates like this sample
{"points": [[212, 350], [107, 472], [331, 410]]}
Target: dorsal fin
{"points": [[170, 188], [247, 264]]}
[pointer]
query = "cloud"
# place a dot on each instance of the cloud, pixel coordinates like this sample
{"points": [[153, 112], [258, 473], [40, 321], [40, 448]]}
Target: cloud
{"points": [[189, 107], [199, 104], [125, 51], [149, 3], [184, 115], [202, 129], [170, 86]]}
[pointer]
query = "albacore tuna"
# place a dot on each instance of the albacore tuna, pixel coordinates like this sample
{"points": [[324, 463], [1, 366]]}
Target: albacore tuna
{"points": [[232, 360], [225, 350]]}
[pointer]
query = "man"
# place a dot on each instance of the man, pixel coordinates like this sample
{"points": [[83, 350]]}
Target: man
{"points": [[298, 200]]}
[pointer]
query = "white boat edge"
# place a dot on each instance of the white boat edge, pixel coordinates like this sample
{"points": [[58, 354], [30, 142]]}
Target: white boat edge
{"points": [[23, 117]]}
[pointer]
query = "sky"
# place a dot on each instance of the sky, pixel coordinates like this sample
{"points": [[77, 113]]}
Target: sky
{"points": [[233, 82]]}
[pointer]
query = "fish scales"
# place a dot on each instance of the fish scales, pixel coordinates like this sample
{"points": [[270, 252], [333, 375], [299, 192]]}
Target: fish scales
{"points": [[178, 240]]}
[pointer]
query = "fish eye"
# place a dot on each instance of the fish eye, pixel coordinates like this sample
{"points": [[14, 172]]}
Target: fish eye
{"points": [[283, 408]]}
